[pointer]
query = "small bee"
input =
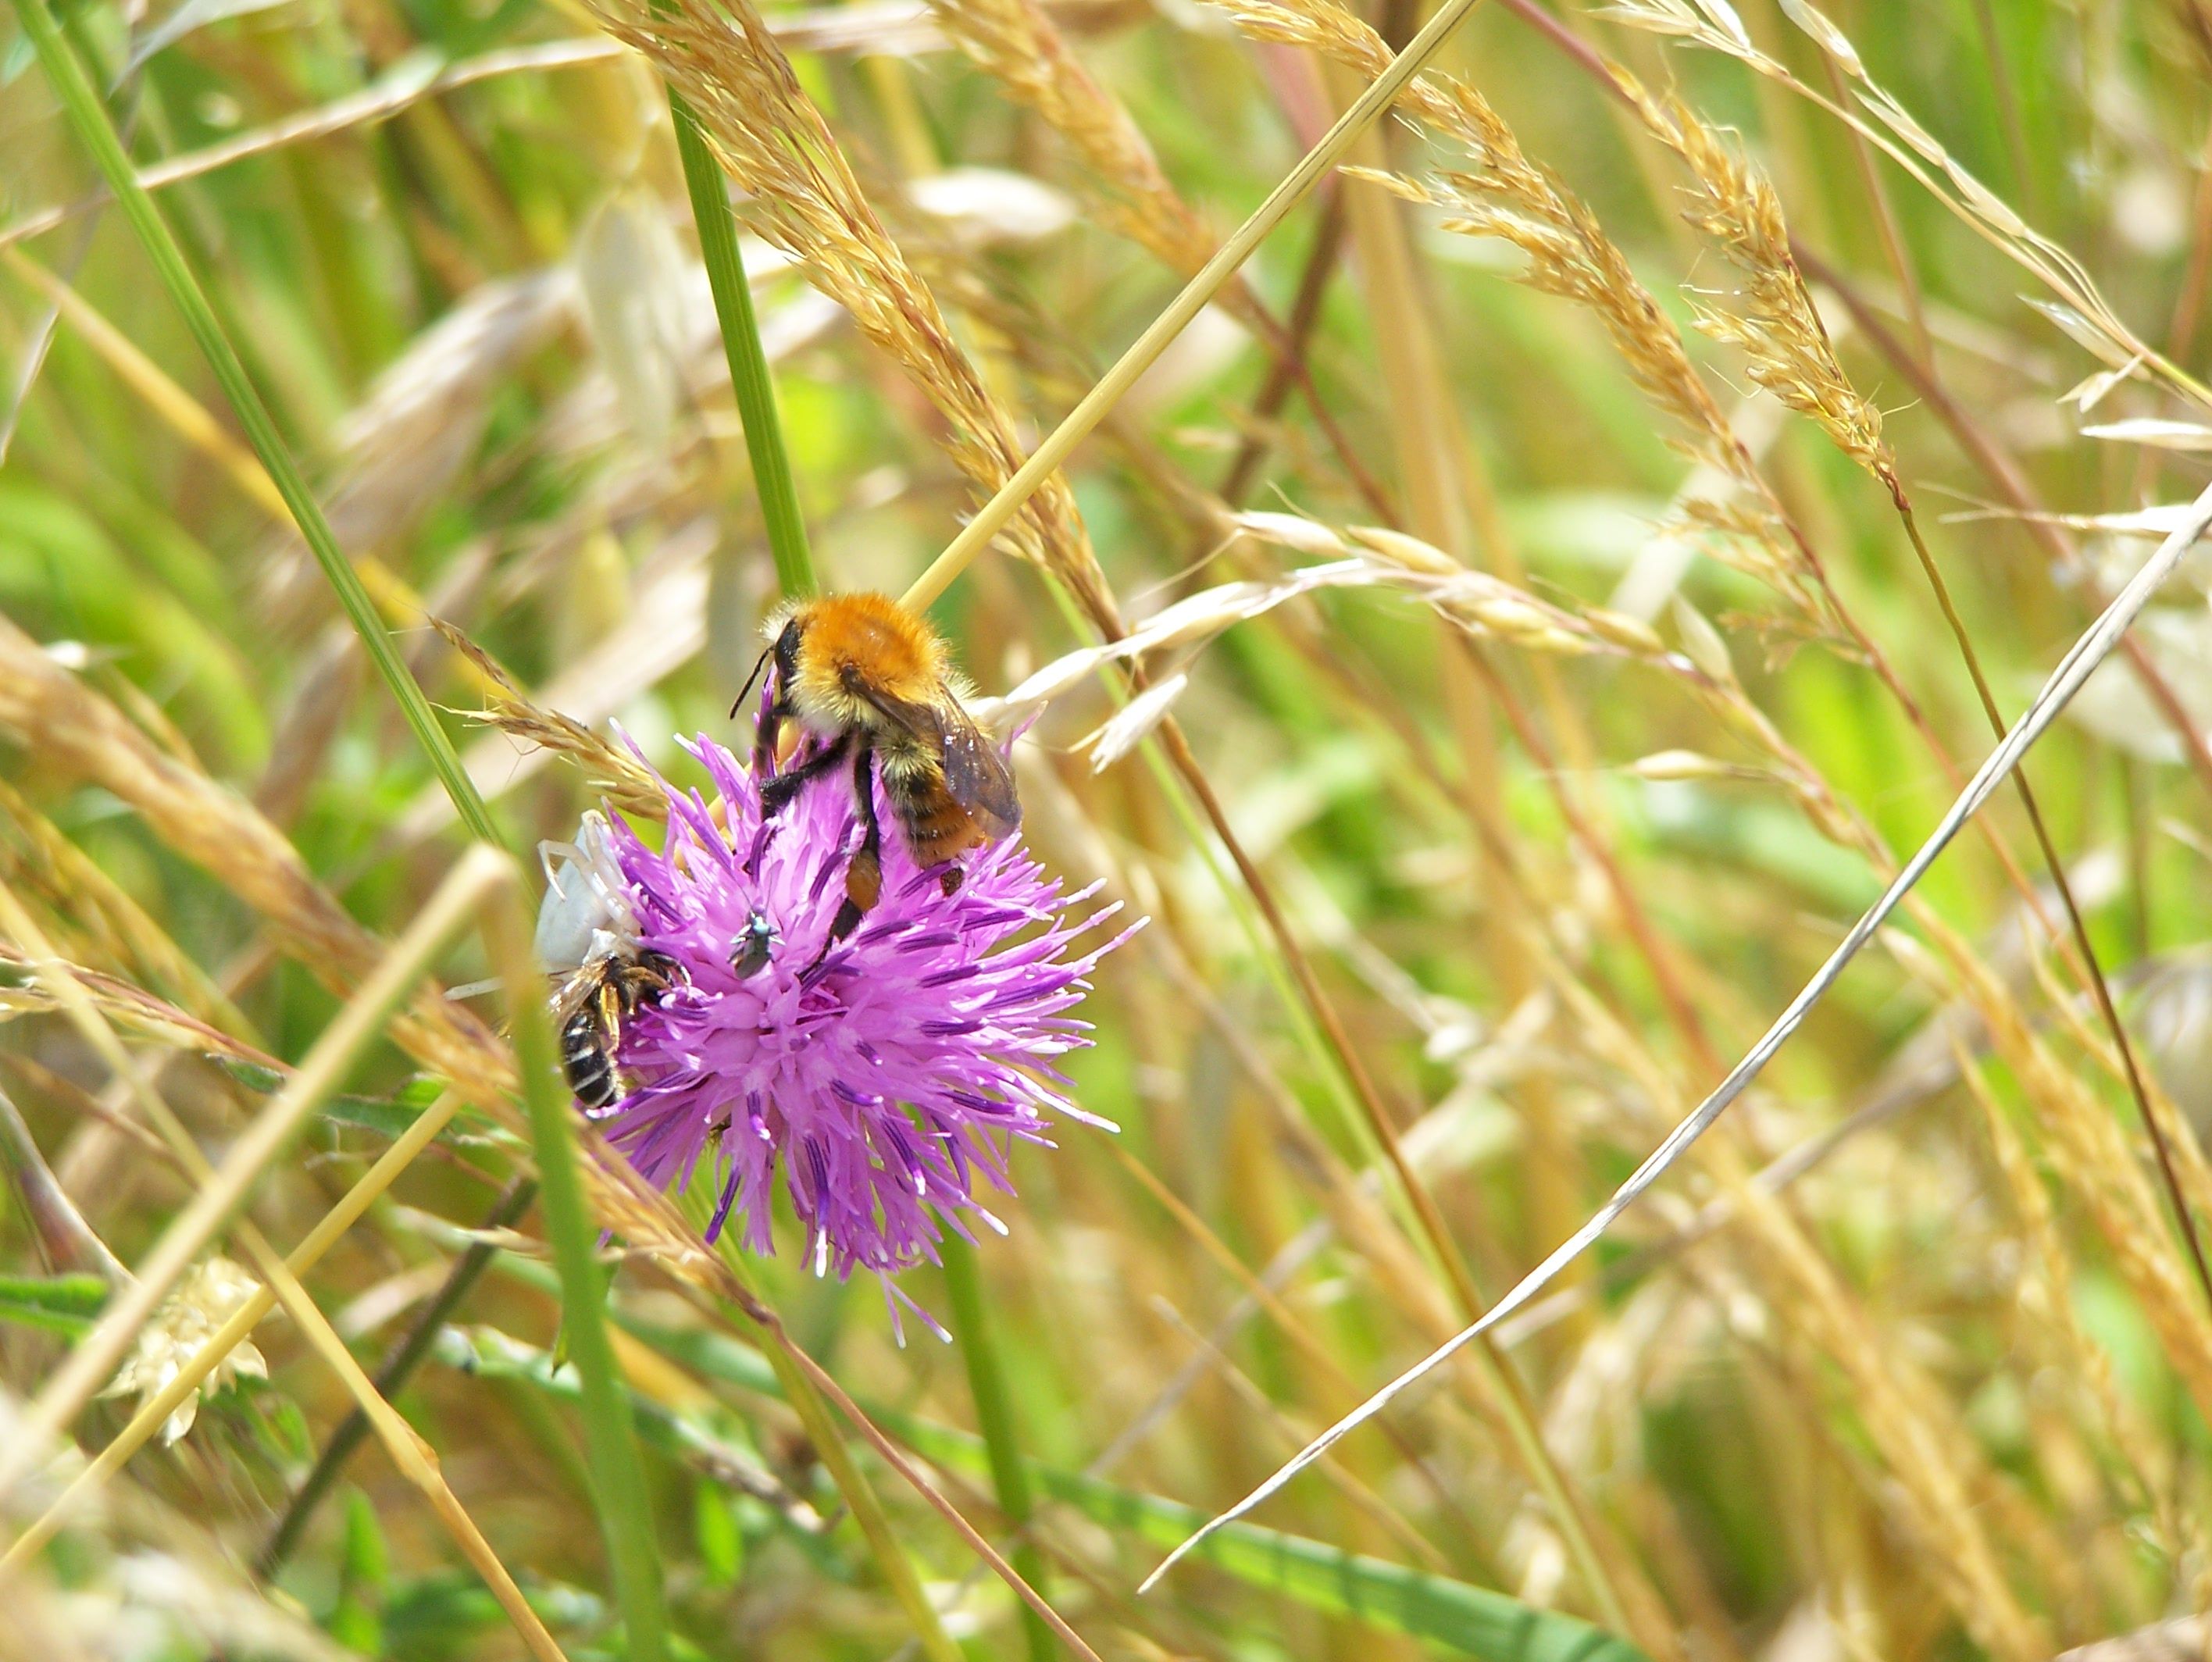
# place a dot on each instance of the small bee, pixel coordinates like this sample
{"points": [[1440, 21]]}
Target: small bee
{"points": [[876, 683], [587, 935]]}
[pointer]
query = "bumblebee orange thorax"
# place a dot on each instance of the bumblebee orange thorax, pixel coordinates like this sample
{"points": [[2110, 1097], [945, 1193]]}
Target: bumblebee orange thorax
{"points": [[868, 638]]}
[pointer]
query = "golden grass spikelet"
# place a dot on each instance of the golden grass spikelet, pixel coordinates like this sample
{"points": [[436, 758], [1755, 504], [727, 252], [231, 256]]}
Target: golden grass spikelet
{"points": [[1519, 201], [1018, 44], [1774, 321], [23, 993], [35, 855], [805, 199], [612, 772]]}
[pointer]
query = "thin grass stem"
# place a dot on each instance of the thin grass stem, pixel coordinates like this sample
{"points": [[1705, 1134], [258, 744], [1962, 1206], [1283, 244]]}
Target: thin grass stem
{"points": [[2091, 969], [741, 344], [610, 1440], [393, 1372]]}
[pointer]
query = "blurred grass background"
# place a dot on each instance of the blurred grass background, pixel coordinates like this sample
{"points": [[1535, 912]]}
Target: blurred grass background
{"points": [[1941, 1392]]}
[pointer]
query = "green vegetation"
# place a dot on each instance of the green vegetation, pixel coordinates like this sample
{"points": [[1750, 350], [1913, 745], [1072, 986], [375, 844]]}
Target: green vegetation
{"points": [[1514, 629]]}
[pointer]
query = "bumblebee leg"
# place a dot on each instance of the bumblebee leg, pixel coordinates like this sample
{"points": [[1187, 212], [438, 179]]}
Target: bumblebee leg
{"points": [[864, 875], [776, 793], [767, 729]]}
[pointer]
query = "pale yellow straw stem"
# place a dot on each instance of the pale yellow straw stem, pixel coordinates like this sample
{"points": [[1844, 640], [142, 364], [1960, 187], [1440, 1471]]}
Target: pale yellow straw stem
{"points": [[1076, 426]]}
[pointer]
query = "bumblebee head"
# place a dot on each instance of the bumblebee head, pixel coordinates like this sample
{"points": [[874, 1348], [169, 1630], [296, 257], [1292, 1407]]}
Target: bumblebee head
{"points": [[784, 628]]}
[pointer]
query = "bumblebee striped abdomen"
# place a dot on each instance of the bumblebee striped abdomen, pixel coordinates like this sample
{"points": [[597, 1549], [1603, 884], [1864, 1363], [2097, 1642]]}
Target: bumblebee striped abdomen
{"points": [[937, 827]]}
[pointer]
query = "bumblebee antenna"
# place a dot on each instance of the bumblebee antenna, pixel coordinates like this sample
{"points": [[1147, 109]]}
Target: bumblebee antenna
{"points": [[739, 703]]}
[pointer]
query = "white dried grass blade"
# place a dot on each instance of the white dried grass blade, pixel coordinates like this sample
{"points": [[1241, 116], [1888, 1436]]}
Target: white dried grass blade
{"points": [[1133, 721], [2154, 431], [2079, 330], [2079, 664], [1196, 618], [1702, 643], [1830, 38], [1293, 530], [986, 206], [1722, 17], [2160, 520], [2093, 390]]}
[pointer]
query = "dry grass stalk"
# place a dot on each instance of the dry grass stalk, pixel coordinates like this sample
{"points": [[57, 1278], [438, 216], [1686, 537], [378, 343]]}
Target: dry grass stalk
{"points": [[157, 1409], [1773, 320], [617, 776], [1891, 128], [804, 198], [1018, 43]]}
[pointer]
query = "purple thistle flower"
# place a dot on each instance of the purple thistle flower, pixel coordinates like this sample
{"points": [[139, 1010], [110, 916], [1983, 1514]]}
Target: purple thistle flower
{"points": [[887, 1076]]}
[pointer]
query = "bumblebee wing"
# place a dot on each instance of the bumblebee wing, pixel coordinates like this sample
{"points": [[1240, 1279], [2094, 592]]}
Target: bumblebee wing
{"points": [[976, 773]]}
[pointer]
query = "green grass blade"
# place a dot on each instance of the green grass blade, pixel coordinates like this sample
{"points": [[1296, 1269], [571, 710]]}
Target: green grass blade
{"points": [[89, 117], [55, 1304], [610, 1436], [741, 344], [1470, 1619], [994, 1412]]}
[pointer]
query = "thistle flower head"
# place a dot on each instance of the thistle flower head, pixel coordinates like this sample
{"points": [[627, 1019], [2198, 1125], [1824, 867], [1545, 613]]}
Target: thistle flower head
{"points": [[882, 1077], [205, 1297]]}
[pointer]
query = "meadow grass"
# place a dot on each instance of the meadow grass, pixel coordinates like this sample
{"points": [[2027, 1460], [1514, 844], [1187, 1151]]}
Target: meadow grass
{"points": [[1510, 533]]}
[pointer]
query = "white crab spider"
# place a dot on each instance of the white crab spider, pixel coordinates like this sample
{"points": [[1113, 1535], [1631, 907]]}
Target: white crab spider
{"points": [[586, 917], [587, 914]]}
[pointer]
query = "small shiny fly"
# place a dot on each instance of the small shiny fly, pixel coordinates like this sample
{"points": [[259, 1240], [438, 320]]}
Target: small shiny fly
{"points": [[753, 949]]}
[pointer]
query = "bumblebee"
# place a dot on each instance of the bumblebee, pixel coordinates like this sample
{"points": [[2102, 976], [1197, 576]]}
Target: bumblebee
{"points": [[875, 684]]}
